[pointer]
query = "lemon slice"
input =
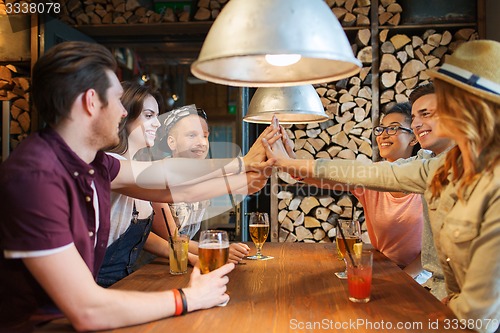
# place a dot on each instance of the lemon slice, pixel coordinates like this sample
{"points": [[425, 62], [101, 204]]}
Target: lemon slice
{"points": [[358, 248]]}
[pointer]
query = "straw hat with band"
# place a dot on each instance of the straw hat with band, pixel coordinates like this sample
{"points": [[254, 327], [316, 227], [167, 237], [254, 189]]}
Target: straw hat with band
{"points": [[172, 118], [474, 67]]}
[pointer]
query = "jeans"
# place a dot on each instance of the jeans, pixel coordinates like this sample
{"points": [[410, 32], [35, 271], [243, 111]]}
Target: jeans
{"points": [[121, 255]]}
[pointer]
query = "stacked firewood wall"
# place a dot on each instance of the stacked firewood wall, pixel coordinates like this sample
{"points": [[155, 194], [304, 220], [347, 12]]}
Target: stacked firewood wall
{"points": [[404, 55], [404, 59], [15, 88], [309, 217], [208, 10], [303, 216], [82, 12], [349, 12], [347, 135], [389, 12]]}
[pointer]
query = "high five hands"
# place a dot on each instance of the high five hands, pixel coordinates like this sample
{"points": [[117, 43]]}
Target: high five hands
{"points": [[278, 151], [272, 146]]}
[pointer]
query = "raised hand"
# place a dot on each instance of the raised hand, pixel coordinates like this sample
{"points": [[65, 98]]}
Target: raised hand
{"points": [[256, 158], [278, 150], [288, 143]]}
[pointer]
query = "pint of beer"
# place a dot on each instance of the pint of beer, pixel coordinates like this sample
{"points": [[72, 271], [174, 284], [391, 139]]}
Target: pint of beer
{"points": [[213, 250], [212, 256]]}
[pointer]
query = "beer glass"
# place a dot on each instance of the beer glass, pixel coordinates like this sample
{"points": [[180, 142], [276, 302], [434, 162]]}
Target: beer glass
{"points": [[213, 250], [352, 234], [259, 229]]}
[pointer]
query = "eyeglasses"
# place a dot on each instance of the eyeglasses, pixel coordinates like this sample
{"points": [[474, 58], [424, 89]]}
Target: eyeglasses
{"points": [[391, 130], [202, 113]]}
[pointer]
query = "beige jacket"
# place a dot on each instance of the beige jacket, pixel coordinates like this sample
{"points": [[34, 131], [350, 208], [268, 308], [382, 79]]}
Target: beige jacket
{"points": [[428, 255], [466, 233]]}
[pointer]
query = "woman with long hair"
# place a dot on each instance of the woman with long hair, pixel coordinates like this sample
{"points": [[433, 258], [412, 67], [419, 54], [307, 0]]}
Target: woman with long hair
{"points": [[462, 187], [131, 218]]}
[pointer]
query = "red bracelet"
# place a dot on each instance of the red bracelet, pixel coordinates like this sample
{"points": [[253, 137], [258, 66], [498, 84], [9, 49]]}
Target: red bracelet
{"points": [[178, 302]]}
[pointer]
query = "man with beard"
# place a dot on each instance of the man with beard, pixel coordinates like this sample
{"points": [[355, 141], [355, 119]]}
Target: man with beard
{"points": [[55, 198]]}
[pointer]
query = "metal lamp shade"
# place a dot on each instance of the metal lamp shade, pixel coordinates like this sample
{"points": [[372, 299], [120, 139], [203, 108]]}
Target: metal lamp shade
{"points": [[235, 49], [292, 105]]}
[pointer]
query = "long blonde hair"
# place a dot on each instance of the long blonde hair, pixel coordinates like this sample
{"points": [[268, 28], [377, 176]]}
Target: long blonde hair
{"points": [[478, 120]]}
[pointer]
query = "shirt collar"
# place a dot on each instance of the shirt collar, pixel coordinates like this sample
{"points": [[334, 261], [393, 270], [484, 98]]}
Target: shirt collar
{"points": [[468, 190], [69, 159]]}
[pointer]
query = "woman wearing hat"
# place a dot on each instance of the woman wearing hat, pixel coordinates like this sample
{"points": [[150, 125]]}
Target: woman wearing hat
{"points": [[462, 187]]}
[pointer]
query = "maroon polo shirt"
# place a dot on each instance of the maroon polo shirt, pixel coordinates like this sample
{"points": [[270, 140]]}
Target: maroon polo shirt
{"points": [[46, 201]]}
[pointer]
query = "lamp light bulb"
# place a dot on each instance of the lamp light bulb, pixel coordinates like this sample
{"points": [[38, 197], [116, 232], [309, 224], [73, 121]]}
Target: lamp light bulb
{"points": [[282, 59]]}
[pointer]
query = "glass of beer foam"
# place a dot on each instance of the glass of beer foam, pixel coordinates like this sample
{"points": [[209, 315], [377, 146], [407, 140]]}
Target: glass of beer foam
{"points": [[259, 229], [213, 250]]}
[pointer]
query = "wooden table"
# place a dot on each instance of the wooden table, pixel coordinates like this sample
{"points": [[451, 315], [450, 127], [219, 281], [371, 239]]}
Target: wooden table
{"points": [[296, 291]]}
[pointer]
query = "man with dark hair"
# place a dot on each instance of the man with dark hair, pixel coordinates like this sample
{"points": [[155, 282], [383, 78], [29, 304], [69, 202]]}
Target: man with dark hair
{"points": [[60, 78], [55, 199], [421, 90], [424, 102]]}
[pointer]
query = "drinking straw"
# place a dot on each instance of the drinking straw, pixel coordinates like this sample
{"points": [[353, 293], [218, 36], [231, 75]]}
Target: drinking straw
{"points": [[170, 239], [329, 219], [345, 244]]}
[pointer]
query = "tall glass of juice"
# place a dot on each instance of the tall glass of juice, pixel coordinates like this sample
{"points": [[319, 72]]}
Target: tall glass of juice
{"points": [[359, 277]]}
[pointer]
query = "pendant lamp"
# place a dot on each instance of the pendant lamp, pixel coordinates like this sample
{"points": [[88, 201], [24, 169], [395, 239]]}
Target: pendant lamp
{"points": [[292, 105], [273, 43]]}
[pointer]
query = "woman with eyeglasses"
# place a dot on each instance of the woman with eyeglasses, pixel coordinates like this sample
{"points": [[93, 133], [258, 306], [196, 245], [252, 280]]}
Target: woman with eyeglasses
{"points": [[131, 218], [394, 220]]}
